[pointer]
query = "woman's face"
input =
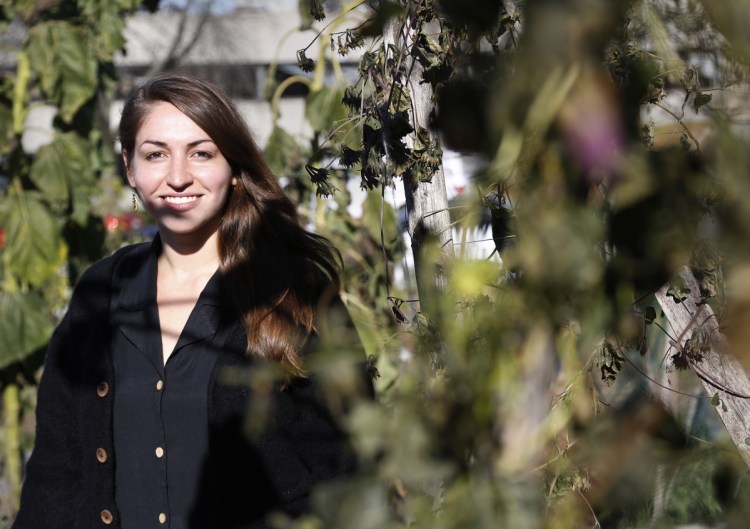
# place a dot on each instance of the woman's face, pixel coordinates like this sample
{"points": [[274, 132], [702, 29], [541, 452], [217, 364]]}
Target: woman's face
{"points": [[180, 175]]}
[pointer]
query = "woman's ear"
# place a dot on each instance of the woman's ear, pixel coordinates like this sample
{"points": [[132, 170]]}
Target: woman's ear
{"points": [[127, 168]]}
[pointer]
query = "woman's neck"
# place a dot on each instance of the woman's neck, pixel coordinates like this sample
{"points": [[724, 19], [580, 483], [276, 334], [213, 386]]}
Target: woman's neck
{"points": [[179, 257]]}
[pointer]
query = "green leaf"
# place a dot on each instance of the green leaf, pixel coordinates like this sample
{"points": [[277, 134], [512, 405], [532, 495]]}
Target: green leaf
{"points": [[325, 107], [22, 8], [109, 37], [371, 221], [471, 277], [41, 51], [283, 154], [109, 22], [64, 57], [62, 170], [34, 249], [25, 325]]}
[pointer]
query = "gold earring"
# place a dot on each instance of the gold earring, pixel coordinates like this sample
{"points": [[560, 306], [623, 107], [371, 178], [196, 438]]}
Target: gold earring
{"points": [[135, 202]]}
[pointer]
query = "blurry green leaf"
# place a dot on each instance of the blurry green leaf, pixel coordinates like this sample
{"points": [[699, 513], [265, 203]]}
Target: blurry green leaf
{"points": [[283, 154], [109, 31], [325, 107], [470, 278], [727, 15], [364, 321], [353, 503], [62, 170], [371, 221], [63, 55], [24, 8], [34, 249], [25, 325]]}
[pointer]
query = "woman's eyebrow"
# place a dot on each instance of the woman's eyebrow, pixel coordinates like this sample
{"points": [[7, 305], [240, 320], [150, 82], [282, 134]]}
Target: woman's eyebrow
{"points": [[163, 144]]}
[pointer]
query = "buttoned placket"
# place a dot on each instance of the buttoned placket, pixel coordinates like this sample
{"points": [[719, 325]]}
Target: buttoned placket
{"points": [[103, 393], [154, 429], [148, 401], [160, 450]]}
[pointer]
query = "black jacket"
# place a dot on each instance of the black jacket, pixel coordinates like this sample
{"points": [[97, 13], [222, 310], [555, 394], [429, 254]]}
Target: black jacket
{"points": [[70, 479]]}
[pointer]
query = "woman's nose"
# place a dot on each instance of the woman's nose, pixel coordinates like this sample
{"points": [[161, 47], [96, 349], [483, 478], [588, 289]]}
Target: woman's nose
{"points": [[179, 173]]}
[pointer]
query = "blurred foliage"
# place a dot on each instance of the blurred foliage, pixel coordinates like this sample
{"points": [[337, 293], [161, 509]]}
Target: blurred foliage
{"points": [[50, 229], [616, 153], [65, 61]]}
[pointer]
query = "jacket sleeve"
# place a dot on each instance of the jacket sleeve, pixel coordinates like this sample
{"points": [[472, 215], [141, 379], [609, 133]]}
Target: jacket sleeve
{"points": [[57, 476], [272, 446], [52, 473], [309, 413]]}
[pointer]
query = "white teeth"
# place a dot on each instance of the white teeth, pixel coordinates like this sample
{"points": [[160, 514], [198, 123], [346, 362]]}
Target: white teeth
{"points": [[180, 200]]}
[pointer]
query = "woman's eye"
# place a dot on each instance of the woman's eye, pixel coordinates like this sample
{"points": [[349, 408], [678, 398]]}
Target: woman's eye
{"points": [[154, 155], [203, 155]]}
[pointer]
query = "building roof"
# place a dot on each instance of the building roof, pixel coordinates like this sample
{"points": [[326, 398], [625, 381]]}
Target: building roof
{"points": [[244, 36], [239, 37]]}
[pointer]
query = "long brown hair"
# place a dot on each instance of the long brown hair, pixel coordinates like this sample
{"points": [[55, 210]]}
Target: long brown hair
{"points": [[275, 270]]}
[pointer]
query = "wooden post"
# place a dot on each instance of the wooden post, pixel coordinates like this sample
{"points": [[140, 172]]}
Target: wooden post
{"points": [[426, 202], [719, 372]]}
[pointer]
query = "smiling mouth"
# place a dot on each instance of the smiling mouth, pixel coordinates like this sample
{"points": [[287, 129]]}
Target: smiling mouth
{"points": [[180, 199]]}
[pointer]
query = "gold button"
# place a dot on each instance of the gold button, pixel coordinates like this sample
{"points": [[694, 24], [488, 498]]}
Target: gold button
{"points": [[106, 516], [159, 451], [159, 385], [101, 455], [162, 518], [102, 389]]}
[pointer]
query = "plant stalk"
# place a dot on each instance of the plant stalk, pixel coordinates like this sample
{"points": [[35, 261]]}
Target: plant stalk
{"points": [[12, 414]]}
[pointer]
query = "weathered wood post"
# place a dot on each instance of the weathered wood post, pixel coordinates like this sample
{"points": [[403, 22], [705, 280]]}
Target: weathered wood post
{"points": [[719, 372], [426, 202]]}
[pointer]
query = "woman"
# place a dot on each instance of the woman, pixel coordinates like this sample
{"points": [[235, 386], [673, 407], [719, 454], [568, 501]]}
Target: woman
{"points": [[146, 415]]}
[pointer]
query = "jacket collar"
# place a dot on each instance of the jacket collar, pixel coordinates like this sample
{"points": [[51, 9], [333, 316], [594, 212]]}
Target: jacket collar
{"points": [[134, 305], [136, 282], [136, 279]]}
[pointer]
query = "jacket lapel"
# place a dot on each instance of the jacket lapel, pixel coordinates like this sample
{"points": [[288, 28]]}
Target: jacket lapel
{"points": [[134, 312]]}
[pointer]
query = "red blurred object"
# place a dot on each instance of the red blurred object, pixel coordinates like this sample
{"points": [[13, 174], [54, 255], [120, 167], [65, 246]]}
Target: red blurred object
{"points": [[2, 238], [124, 222]]}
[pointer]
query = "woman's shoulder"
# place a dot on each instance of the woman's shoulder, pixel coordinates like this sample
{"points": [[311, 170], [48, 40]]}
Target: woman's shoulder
{"points": [[105, 266], [101, 272]]}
